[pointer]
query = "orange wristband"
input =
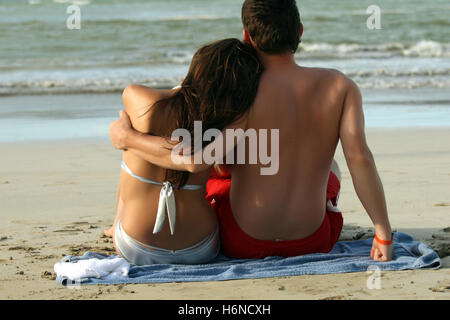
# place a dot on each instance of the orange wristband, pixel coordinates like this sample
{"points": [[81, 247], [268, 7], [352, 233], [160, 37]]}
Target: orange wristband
{"points": [[384, 242]]}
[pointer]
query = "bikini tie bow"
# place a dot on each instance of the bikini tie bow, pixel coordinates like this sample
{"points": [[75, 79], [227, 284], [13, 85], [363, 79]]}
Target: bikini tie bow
{"points": [[166, 204]]}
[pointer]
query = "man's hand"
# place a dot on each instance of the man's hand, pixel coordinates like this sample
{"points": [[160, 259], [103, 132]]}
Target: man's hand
{"points": [[381, 252], [119, 130]]}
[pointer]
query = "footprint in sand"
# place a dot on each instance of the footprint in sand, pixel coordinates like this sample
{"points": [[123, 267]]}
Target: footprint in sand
{"points": [[80, 223], [440, 237], [334, 298], [442, 204], [441, 289], [351, 227], [105, 250], [75, 250], [75, 227], [48, 275], [440, 243], [352, 232], [47, 257], [84, 223], [441, 248], [23, 248], [78, 250], [69, 230]]}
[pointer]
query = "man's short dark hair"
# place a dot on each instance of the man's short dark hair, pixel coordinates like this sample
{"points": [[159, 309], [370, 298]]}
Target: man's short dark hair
{"points": [[274, 25]]}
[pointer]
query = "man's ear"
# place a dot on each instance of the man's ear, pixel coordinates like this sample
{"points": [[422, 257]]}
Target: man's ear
{"points": [[247, 38], [301, 30]]}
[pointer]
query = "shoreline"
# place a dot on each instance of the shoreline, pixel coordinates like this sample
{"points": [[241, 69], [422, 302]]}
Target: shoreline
{"points": [[58, 196], [105, 139], [75, 116]]}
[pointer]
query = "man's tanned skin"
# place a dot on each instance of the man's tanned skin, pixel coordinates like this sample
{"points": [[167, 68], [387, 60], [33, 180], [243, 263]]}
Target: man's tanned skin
{"points": [[314, 109]]}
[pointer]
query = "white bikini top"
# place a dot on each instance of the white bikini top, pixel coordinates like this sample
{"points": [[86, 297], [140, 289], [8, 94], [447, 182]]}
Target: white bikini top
{"points": [[166, 200]]}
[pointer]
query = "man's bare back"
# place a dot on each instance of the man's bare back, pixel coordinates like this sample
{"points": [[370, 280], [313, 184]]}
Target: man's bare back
{"points": [[305, 104]]}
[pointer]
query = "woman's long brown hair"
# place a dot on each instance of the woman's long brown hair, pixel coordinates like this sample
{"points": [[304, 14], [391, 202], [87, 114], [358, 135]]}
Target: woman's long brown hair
{"points": [[219, 89]]}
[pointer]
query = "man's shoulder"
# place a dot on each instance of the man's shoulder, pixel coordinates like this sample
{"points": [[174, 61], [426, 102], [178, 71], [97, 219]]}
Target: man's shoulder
{"points": [[329, 74], [317, 81], [279, 79], [334, 80]]}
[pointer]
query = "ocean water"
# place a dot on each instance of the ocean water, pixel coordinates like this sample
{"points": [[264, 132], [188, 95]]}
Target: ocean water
{"points": [[406, 63]]}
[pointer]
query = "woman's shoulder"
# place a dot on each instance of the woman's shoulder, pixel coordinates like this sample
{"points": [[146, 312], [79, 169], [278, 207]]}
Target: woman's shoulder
{"points": [[136, 97], [138, 101]]}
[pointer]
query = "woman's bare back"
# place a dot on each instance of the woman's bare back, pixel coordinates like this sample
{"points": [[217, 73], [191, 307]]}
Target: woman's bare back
{"points": [[195, 219]]}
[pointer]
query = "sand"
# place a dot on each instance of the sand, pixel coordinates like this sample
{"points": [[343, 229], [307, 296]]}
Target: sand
{"points": [[57, 197]]}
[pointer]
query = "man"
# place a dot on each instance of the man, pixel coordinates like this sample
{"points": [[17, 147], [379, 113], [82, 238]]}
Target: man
{"points": [[286, 214]]}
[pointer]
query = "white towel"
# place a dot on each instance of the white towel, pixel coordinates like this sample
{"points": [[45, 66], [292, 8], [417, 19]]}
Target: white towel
{"points": [[92, 268]]}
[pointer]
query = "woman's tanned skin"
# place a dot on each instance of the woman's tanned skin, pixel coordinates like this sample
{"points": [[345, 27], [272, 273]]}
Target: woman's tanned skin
{"points": [[137, 202]]}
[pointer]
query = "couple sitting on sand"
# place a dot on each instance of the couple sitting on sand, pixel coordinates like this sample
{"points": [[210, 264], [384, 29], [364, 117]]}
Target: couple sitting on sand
{"points": [[185, 212]]}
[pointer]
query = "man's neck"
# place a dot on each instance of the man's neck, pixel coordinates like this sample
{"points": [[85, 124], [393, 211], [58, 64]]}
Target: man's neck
{"points": [[277, 60]]}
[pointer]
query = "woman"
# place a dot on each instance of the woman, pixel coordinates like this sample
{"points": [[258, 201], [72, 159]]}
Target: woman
{"points": [[218, 90]]}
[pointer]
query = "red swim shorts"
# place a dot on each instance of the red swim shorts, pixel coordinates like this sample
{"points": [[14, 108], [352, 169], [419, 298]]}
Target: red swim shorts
{"points": [[237, 244]]}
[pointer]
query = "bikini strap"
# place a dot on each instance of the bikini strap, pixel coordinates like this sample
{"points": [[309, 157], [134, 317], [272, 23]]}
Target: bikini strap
{"points": [[128, 170], [166, 200], [188, 187]]}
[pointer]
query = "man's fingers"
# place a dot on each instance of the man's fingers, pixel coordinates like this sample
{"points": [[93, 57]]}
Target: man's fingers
{"points": [[377, 254], [380, 255], [383, 257]]}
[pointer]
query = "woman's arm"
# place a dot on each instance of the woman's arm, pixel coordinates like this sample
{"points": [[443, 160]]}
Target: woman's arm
{"points": [[138, 101], [154, 149], [158, 150], [129, 132]]}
